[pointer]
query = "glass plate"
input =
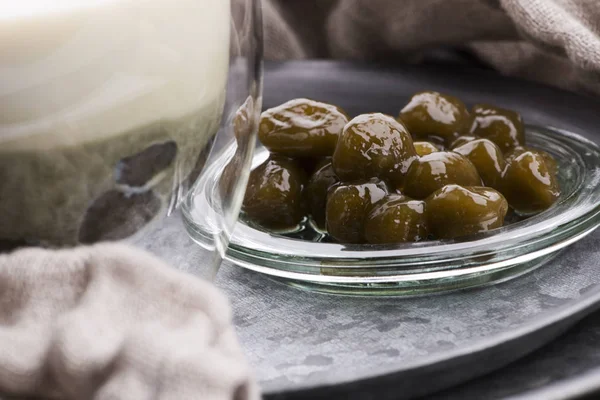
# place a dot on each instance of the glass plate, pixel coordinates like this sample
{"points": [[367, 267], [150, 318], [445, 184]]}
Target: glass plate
{"points": [[433, 266]]}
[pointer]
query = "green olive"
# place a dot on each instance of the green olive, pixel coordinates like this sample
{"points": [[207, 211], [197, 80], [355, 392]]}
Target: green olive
{"points": [[431, 115], [424, 148], [487, 158], [529, 184], [316, 192], [274, 196], [550, 161], [454, 211], [462, 140], [379, 180], [302, 128], [310, 164], [515, 152], [501, 126], [374, 145], [396, 219], [322, 162], [347, 207], [436, 170]]}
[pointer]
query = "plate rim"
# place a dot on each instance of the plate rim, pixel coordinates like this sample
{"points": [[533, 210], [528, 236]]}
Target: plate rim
{"points": [[569, 314]]}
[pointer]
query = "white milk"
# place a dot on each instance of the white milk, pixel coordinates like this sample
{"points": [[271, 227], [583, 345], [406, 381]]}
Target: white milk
{"points": [[87, 83]]}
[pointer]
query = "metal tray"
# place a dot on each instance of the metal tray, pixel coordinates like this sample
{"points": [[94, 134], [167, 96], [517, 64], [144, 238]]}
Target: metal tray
{"points": [[309, 345]]}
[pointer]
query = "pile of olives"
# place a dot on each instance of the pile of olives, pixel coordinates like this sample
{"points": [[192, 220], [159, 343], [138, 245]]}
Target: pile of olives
{"points": [[437, 171]]}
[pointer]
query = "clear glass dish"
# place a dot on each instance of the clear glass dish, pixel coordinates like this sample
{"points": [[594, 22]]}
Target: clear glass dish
{"points": [[300, 259]]}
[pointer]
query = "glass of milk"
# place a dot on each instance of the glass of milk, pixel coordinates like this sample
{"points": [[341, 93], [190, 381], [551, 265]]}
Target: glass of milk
{"points": [[111, 111]]}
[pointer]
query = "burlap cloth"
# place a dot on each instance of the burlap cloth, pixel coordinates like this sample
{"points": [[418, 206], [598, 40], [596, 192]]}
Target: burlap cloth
{"points": [[552, 41]]}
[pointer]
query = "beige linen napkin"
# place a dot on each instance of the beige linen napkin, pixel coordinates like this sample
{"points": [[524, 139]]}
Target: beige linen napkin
{"points": [[114, 322], [552, 41]]}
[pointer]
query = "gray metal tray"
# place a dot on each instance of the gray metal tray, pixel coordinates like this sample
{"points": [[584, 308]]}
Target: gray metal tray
{"points": [[308, 345]]}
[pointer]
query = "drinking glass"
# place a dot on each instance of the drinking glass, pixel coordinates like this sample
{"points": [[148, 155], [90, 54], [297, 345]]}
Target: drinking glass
{"points": [[112, 110]]}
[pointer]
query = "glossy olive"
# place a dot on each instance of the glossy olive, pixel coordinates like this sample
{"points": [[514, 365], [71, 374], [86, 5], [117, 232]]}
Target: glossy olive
{"points": [[515, 152], [316, 192], [529, 184], [322, 162], [311, 164], [437, 170], [302, 128], [455, 211], [550, 161], [347, 207], [462, 140], [431, 114], [487, 158], [274, 197], [374, 145], [424, 148], [396, 219], [501, 126]]}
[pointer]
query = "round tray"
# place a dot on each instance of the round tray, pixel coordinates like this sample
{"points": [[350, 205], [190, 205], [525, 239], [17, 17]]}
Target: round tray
{"points": [[426, 267], [304, 345]]}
